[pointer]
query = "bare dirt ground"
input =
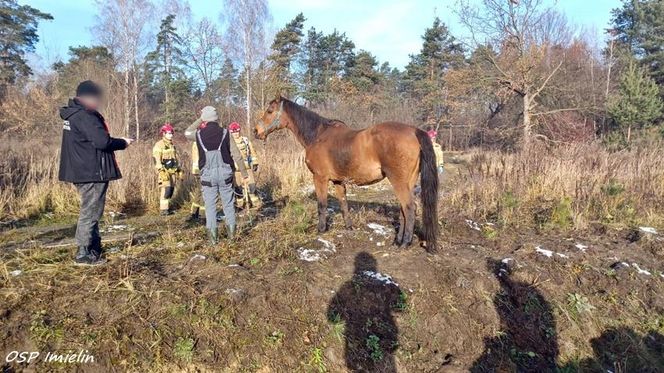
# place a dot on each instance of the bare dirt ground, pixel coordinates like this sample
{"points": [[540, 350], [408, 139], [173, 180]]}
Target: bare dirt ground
{"points": [[284, 299]]}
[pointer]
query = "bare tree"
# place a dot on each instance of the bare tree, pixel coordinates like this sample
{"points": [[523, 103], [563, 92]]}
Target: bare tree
{"points": [[122, 26], [522, 36], [247, 20], [204, 54]]}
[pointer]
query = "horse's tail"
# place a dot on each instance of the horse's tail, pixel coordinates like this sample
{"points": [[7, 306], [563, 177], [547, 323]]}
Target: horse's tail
{"points": [[429, 182]]}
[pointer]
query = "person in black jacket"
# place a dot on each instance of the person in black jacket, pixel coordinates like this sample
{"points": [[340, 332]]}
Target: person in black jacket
{"points": [[87, 161]]}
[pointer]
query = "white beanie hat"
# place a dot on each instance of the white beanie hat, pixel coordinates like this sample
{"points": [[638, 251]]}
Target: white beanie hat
{"points": [[209, 114]]}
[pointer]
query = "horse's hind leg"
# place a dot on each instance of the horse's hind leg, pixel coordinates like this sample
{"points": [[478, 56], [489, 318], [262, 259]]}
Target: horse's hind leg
{"points": [[340, 189], [320, 184], [402, 224], [406, 199]]}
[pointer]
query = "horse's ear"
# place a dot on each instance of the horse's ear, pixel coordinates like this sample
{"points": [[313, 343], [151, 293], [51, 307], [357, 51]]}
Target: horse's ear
{"points": [[278, 97]]}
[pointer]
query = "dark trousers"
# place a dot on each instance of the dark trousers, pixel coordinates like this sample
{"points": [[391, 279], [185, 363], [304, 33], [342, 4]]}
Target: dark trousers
{"points": [[93, 200]]}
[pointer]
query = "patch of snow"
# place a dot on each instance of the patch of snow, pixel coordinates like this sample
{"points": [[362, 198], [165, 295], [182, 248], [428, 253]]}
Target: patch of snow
{"points": [[378, 229], [506, 260], [473, 225], [197, 257], [314, 255], [234, 266], [547, 253], [640, 270], [16, 272], [649, 230], [115, 228], [581, 247], [661, 275], [306, 190], [380, 243], [328, 244], [384, 278]]}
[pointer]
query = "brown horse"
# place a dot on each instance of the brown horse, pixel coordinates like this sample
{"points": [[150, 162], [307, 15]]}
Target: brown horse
{"points": [[337, 153]]}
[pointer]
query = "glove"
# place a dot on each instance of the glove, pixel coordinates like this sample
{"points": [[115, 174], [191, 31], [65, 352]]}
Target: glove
{"points": [[254, 167]]}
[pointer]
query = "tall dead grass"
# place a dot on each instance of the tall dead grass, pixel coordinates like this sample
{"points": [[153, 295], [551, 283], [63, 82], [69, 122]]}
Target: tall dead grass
{"points": [[29, 183], [567, 186]]}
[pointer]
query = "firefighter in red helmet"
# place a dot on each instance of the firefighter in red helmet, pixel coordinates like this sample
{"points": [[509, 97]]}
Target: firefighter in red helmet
{"points": [[249, 197], [168, 167]]}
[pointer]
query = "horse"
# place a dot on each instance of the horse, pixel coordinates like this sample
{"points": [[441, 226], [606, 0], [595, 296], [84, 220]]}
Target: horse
{"points": [[337, 153]]}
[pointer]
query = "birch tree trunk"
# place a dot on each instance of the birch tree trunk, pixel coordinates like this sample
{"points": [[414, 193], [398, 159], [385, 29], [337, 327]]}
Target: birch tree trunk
{"points": [[126, 102], [138, 126]]}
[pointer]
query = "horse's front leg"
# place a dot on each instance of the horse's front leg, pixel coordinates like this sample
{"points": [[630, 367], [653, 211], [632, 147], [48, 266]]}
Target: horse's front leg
{"points": [[340, 189], [320, 183]]}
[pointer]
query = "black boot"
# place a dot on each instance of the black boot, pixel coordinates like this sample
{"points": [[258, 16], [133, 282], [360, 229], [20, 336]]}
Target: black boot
{"points": [[83, 251], [193, 217], [85, 256]]}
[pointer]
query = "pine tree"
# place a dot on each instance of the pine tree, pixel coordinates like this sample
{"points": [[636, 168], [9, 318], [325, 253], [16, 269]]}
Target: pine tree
{"points": [[311, 61], [363, 74], [84, 62], [286, 47], [424, 74], [18, 36], [639, 29], [163, 72], [637, 103], [325, 58]]}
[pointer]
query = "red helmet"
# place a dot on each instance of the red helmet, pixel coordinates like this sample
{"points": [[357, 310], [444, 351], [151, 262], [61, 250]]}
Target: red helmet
{"points": [[234, 127], [166, 128], [432, 134]]}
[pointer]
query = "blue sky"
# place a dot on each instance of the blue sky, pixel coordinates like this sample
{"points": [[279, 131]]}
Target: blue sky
{"points": [[390, 29]]}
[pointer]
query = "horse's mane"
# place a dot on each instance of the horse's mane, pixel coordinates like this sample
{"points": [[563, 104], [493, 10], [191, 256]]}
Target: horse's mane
{"points": [[307, 121]]}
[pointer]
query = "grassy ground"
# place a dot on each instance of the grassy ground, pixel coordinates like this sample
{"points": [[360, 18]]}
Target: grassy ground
{"points": [[488, 301]]}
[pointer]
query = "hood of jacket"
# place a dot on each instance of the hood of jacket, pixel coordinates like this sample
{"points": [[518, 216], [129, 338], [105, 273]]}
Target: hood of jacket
{"points": [[73, 107]]}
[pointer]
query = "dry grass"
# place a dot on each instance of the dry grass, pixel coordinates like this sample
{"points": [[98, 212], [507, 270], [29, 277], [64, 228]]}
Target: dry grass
{"points": [[565, 187]]}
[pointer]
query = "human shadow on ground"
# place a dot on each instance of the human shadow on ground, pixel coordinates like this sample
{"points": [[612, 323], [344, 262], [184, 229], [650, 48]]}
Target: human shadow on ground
{"points": [[365, 304], [527, 341], [621, 349]]}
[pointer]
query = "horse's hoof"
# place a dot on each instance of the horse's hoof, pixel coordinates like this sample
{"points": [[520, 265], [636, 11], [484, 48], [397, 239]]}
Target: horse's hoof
{"points": [[404, 245]]}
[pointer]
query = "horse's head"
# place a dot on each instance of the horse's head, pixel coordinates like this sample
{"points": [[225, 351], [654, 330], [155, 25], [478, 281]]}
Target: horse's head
{"points": [[273, 119]]}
